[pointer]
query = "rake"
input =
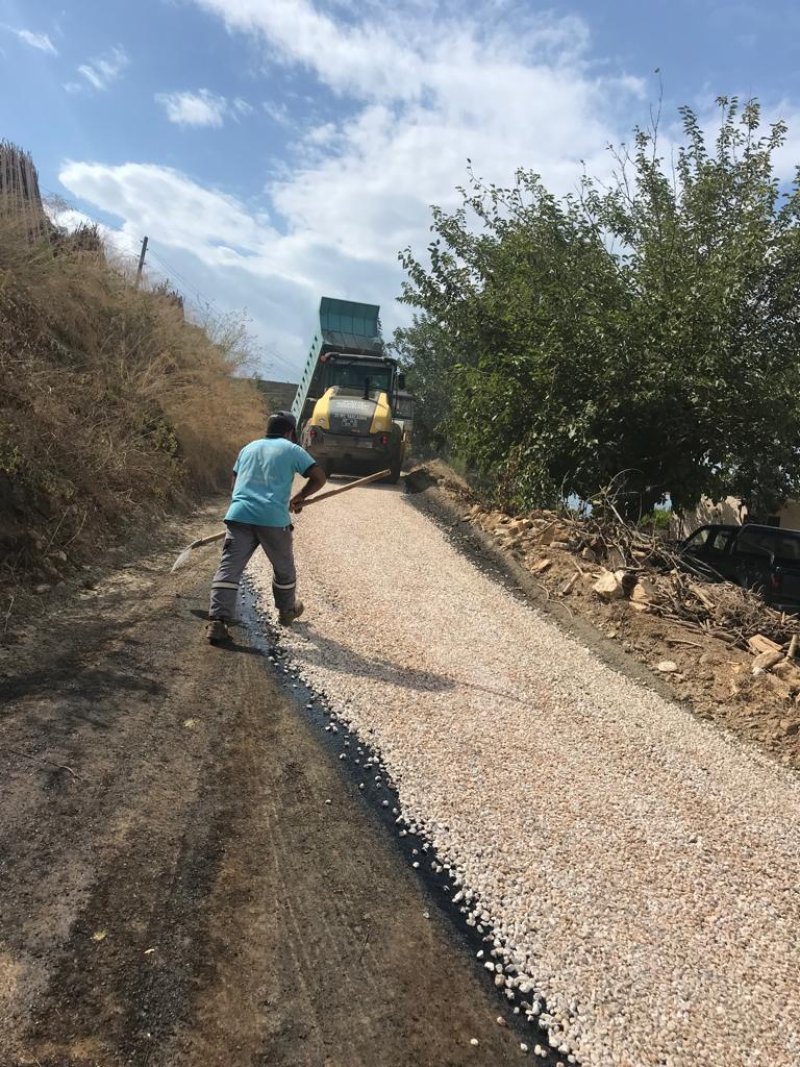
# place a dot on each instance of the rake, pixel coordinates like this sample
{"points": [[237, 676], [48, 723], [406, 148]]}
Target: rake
{"points": [[185, 556]]}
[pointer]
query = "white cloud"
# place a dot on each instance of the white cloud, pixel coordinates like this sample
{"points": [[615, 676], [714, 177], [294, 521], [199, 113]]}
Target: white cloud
{"points": [[171, 208], [100, 73], [400, 53], [278, 112], [202, 108], [423, 92], [430, 89], [353, 57], [230, 251], [40, 41], [323, 135]]}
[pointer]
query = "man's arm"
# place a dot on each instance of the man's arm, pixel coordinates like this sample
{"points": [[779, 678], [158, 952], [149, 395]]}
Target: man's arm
{"points": [[235, 471], [316, 479]]}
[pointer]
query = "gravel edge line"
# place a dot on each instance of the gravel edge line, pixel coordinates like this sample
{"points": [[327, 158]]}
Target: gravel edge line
{"points": [[412, 844], [438, 504]]}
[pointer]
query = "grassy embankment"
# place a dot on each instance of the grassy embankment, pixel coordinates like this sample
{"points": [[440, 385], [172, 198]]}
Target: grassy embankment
{"points": [[114, 410]]}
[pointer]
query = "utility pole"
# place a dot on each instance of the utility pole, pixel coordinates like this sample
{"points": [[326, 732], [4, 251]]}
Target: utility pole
{"points": [[140, 268]]}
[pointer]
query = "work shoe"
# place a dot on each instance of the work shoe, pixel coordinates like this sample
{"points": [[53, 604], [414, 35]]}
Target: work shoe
{"points": [[217, 631], [286, 618]]}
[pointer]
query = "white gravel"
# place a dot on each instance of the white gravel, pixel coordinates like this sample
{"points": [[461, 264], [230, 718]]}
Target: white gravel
{"points": [[641, 869]]}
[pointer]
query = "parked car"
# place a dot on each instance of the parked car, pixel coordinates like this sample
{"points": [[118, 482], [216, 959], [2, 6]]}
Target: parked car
{"points": [[765, 559]]}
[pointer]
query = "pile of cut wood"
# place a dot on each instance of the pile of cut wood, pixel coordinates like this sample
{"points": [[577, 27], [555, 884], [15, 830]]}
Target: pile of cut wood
{"points": [[625, 562], [719, 609]]}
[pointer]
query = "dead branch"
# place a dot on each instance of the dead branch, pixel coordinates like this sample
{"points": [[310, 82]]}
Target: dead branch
{"points": [[47, 762]]}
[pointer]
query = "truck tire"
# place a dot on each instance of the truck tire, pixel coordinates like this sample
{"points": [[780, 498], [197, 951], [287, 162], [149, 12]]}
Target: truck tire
{"points": [[396, 467]]}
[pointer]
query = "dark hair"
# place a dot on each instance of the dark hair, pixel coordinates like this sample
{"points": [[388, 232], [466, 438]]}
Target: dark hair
{"points": [[281, 423]]}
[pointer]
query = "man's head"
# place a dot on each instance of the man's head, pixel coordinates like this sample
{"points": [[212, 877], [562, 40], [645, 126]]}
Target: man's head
{"points": [[282, 424]]}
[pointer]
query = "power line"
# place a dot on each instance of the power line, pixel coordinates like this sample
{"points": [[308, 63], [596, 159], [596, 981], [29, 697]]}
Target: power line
{"points": [[281, 359], [177, 276], [174, 273], [268, 349]]}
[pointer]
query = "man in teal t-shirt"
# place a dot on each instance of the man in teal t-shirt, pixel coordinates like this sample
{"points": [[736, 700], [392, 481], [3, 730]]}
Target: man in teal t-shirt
{"points": [[259, 514]]}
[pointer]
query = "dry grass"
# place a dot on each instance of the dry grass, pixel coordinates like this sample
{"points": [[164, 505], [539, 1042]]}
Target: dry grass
{"points": [[113, 407]]}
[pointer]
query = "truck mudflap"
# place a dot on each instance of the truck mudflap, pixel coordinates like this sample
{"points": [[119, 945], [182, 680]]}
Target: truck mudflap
{"points": [[354, 454]]}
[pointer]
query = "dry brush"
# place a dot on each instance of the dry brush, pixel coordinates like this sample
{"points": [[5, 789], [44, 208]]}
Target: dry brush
{"points": [[114, 408]]}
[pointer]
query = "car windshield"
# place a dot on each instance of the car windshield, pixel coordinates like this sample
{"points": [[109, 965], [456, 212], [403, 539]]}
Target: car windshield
{"points": [[698, 538], [355, 375]]}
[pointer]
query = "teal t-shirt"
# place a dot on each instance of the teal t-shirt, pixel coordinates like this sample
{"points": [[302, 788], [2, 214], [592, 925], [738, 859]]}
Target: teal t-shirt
{"points": [[265, 470]]}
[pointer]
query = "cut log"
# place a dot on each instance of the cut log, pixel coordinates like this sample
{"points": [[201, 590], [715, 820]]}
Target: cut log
{"points": [[616, 560], [765, 660], [789, 670], [520, 525], [758, 644], [703, 597], [722, 635], [644, 592], [541, 566], [545, 536], [566, 588]]}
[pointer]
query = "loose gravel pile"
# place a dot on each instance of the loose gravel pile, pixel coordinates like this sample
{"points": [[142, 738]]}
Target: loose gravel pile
{"points": [[641, 870]]}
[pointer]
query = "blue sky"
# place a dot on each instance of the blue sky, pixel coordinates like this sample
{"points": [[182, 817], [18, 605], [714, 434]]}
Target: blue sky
{"points": [[278, 150]]}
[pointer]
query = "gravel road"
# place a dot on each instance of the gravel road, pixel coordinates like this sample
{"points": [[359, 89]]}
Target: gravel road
{"points": [[641, 870], [187, 879]]}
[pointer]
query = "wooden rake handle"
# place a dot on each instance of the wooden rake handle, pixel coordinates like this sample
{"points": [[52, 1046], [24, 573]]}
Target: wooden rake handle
{"points": [[307, 503], [208, 540], [344, 488]]}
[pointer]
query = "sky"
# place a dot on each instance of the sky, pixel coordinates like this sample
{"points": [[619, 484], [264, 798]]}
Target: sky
{"points": [[275, 151]]}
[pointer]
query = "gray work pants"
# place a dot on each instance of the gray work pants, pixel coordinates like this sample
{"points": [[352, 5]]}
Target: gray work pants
{"points": [[240, 543]]}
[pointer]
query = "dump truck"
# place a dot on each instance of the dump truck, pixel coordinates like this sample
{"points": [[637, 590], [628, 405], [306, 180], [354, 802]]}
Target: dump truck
{"points": [[347, 397]]}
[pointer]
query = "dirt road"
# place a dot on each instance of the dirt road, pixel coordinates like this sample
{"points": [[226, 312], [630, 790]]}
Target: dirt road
{"points": [[639, 868], [186, 875]]}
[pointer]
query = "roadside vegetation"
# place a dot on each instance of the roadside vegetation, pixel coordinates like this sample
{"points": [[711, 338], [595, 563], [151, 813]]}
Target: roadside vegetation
{"points": [[114, 408], [642, 333]]}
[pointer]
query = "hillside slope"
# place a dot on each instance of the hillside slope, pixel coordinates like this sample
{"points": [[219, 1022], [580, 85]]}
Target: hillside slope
{"points": [[114, 407]]}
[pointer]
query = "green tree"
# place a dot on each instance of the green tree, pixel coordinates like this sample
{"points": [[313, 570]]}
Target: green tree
{"points": [[646, 332], [424, 351]]}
